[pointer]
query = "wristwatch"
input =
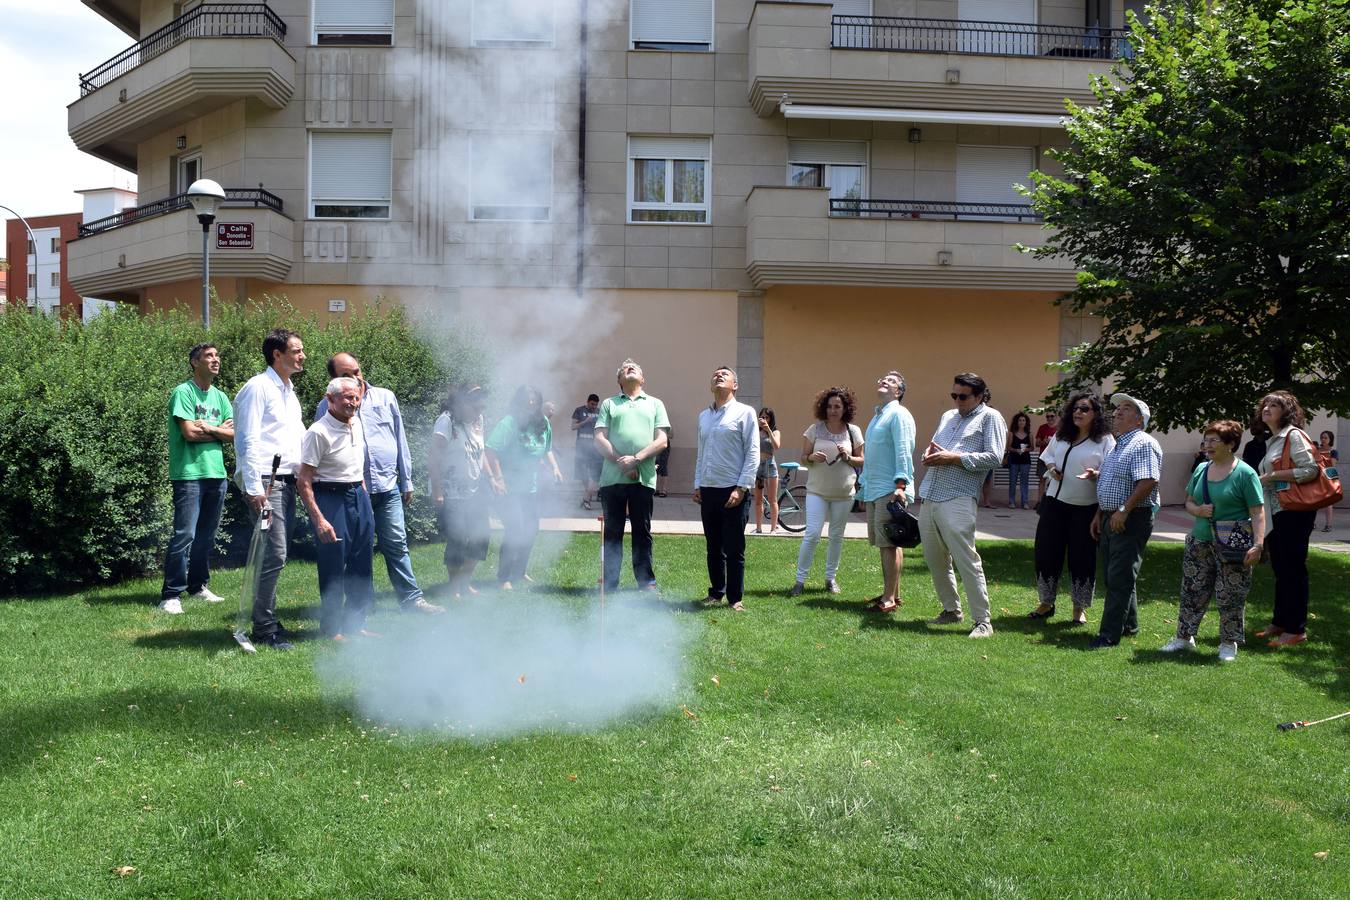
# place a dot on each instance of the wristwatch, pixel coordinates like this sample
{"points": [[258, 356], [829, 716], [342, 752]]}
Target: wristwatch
{"points": [[1122, 508]]}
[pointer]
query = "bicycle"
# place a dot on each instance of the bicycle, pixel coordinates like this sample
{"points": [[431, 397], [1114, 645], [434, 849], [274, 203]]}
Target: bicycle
{"points": [[791, 500]]}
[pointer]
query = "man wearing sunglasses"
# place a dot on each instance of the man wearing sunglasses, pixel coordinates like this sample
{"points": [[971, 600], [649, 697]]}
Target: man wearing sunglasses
{"points": [[968, 443]]}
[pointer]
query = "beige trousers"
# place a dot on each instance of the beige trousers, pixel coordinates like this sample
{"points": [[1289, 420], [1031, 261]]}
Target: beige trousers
{"points": [[948, 531]]}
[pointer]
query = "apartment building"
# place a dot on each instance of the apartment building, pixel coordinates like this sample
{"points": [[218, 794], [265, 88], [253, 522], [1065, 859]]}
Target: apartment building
{"points": [[812, 192], [38, 272]]}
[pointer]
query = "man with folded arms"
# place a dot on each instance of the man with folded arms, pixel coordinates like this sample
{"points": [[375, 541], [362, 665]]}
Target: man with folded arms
{"points": [[728, 458], [332, 466]]}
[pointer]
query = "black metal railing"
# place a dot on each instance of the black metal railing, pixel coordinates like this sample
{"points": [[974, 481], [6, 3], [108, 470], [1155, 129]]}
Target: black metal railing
{"points": [[212, 20], [988, 38], [254, 197], [930, 209]]}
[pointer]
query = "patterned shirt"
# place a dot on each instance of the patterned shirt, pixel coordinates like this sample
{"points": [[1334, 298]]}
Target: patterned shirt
{"points": [[980, 438], [1136, 457], [890, 452]]}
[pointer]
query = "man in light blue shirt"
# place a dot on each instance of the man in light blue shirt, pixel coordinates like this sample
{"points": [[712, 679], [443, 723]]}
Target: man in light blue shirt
{"points": [[728, 457], [888, 474], [968, 443], [388, 476]]}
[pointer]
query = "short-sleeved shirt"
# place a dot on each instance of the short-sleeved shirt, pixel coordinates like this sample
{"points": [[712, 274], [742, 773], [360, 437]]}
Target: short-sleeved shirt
{"points": [[630, 424], [336, 449], [1233, 497], [586, 430], [519, 453], [835, 481], [462, 463], [192, 460], [1136, 457], [1072, 460]]}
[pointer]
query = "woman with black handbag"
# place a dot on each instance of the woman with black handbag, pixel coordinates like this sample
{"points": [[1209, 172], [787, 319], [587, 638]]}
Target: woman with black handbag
{"points": [[1225, 497], [1071, 459]]}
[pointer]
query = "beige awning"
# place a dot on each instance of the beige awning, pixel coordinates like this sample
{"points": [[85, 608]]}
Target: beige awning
{"points": [[928, 116]]}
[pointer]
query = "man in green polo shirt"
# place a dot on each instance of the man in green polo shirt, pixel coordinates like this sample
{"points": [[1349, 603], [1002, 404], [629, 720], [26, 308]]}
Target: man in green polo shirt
{"points": [[200, 422], [630, 430]]}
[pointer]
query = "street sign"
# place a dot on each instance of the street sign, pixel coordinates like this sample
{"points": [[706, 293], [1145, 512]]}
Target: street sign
{"points": [[234, 235]]}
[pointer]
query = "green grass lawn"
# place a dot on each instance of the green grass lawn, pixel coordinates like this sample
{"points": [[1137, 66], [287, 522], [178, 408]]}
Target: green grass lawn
{"points": [[837, 754]]}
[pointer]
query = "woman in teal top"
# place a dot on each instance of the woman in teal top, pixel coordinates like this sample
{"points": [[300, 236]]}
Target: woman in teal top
{"points": [[1225, 492], [517, 447]]}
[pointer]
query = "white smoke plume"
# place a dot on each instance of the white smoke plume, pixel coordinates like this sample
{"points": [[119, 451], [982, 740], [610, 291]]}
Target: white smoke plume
{"points": [[494, 667]]}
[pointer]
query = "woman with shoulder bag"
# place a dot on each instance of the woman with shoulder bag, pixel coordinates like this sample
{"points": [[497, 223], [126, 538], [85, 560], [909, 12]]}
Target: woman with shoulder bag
{"points": [[832, 452], [1071, 459], [1290, 529], [1225, 497]]}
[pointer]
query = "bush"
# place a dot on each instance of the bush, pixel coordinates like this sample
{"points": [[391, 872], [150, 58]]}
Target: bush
{"points": [[84, 490]]}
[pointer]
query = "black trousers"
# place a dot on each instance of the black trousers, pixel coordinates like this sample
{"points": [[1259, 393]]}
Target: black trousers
{"points": [[1065, 530], [724, 532], [1288, 545], [634, 503]]}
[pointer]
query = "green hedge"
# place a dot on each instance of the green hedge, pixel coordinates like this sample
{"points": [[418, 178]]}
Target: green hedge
{"points": [[84, 490]]}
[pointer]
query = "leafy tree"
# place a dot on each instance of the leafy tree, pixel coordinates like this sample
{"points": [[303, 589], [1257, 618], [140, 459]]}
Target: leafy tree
{"points": [[1206, 202]]}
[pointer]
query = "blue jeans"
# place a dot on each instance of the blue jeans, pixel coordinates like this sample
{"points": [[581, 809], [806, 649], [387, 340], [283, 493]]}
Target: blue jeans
{"points": [[1019, 475], [346, 591], [197, 505], [392, 534]]}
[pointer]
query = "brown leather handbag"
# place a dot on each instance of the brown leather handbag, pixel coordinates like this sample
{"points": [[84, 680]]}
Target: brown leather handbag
{"points": [[1311, 495]]}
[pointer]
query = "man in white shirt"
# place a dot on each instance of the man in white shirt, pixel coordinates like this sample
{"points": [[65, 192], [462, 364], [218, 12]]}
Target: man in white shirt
{"points": [[268, 423], [332, 487], [728, 458]]}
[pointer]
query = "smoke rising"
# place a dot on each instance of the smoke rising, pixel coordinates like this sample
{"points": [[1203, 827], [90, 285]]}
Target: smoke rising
{"points": [[494, 667]]}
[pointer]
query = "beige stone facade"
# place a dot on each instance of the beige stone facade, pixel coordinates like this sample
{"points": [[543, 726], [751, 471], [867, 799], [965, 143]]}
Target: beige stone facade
{"points": [[788, 282]]}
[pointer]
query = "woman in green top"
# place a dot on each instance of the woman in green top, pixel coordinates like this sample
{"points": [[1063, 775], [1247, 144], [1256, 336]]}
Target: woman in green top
{"points": [[521, 442], [1225, 492]]}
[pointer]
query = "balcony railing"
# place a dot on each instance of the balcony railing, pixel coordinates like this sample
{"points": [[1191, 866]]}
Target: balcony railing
{"points": [[988, 38], [236, 197], [927, 209], [212, 20]]}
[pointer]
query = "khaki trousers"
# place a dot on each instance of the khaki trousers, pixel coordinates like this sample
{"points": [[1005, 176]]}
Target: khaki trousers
{"points": [[947, 528]]}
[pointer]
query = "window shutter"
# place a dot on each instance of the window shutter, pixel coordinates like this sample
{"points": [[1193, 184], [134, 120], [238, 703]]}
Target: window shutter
{"points": [[852, 7], [672, 21], [838, 153], [512, 170], [353, 15], [651, 147], [987, 174], [513, 21], [351, 165], [1023, 11]]}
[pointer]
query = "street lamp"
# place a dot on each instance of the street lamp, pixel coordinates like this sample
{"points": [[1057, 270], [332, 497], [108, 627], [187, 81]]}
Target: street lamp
{"points": [[37, 307], [205, 195]]}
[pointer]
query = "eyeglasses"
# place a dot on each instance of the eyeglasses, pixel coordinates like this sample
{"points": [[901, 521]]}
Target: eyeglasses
{"points": [[1078, 409], [1208, 440], [960, 397]]}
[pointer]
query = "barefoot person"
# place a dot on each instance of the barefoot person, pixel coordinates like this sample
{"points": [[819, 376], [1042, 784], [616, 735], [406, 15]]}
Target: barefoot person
{"points": [[887, 474], [728, 458], [331, 485]]}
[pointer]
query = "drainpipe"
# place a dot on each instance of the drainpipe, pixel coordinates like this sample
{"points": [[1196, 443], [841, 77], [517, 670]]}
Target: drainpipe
{"points": [[581, 153]]}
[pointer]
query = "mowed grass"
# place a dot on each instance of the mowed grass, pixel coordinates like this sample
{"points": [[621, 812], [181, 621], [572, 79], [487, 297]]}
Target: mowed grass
{"points": [[837, 754]]}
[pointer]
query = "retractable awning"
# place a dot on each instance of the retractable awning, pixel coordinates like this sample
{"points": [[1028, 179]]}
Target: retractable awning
{"points": [[929, 116]]}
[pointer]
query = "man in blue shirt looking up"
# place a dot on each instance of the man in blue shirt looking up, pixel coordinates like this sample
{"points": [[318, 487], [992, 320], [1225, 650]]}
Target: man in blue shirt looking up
{"points": [[888, 474]]}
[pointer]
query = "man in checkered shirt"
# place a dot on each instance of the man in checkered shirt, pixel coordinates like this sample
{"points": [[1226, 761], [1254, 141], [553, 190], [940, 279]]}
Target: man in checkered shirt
{"points": [[1127, 501], [969, 442]]}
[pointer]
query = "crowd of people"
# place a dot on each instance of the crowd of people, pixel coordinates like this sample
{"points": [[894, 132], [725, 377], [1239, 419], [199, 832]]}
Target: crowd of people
{"points": [[352, 470]]}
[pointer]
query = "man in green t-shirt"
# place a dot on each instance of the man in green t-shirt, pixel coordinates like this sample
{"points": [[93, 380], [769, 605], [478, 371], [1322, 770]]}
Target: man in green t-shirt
{"points": [[631, 429], [200, 422]]}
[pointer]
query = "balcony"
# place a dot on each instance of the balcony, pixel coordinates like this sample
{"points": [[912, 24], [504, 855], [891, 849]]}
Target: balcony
{"points": [[161, 242], [207, 57], [803, 52], [801, 236]]}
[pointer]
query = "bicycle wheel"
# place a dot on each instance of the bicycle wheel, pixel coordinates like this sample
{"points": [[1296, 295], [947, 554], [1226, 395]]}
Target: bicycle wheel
{"points": [[792, 509]]}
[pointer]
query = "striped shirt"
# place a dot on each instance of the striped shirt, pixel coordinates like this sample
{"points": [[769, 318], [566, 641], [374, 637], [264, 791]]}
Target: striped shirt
{"points": [[980, 438], [1136, 457]]}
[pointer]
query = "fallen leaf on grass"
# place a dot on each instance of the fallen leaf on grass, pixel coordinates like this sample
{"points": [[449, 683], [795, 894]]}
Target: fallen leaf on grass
{"points": [[239, 782], [868, 762], [1121, 718], [775, 788], [571, 777], [715, 680], [993, 777], [689, 713], [1005, 610], [124, 871], [1321, 854]]}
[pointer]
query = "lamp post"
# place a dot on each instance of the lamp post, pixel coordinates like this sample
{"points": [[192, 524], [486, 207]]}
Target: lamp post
{"points": [[37, 307], [205, 195]]}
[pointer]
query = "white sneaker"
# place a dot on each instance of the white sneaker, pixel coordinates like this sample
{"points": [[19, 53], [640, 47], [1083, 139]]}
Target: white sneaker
{"points": [[208, 595], [1178, 643], [982, 630], [1227, 651], [171, 605]]}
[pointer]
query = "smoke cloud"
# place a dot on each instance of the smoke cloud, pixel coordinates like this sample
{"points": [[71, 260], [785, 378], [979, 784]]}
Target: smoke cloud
{"points": [[494, 667]]}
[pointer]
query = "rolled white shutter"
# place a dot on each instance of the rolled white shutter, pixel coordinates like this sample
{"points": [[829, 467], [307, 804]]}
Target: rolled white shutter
{"points": [[507, 21], [354, 15], [351, 165], [663, 147], [1023, 11], [852, 7], [672, 21], [837, 153], [512, 170], [987, 174]]}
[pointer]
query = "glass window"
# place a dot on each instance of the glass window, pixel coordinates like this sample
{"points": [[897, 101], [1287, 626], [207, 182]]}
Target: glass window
{"points": [[512, 22], [670, 180], [369, 22], [351, 174], [671, 24], [512, 177]]}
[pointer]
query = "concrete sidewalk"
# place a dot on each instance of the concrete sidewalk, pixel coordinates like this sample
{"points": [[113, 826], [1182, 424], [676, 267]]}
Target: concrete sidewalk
{"points": [[679, 515]]}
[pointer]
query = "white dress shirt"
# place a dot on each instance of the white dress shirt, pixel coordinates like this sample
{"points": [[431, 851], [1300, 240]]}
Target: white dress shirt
{"points": [[728, 447], [267, 422], [336, 449]]}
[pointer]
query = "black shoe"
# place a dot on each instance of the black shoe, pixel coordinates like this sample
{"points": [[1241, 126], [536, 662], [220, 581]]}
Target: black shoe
{"points": [[276, 641], [1101, 641], [1131, 632]]}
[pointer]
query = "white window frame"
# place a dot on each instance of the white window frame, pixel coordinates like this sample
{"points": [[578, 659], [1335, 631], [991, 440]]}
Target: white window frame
{"points": [[806, 160], [327, 201], [376, 31], [679, 46], [548, 217], [55, 279], [183, 161], [706, 206], [56, 245], [511, 42]]}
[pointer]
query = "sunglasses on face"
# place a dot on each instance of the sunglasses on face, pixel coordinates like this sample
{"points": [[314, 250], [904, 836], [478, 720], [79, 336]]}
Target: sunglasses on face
{"points": [[960, 397], [1079, 409]]}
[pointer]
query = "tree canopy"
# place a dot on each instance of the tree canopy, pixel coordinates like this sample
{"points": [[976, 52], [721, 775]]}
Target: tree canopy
{"points": [[1206, 202]]}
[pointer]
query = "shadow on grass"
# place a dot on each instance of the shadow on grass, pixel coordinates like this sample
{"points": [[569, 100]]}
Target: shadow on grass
{"points": [[208, 640]]}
